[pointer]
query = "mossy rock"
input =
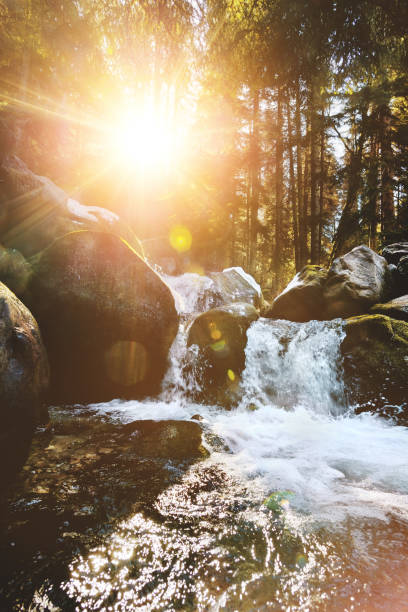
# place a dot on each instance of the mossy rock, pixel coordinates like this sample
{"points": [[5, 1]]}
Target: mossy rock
{"points": [[375, 352], [396, 309]]}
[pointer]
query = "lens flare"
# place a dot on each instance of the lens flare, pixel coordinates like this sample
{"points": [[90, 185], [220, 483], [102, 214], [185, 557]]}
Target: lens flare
{"points": [[180, 238]]}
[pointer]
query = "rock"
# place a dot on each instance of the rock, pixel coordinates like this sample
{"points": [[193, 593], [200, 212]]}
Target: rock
{"points": [[107, 318], [393, 252], [356, 281], [35, 211], [23, 380], [302, 300], [220, 334], [166, 439], [235, 285], [402, 271], [375, 351], [396, 309], [15, 270], [199, 293]]}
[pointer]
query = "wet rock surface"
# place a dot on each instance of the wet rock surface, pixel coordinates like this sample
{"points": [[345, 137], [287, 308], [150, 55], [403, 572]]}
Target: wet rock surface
{"points": [[221, 336], [24, 378], [82, 476], [107, 318]]}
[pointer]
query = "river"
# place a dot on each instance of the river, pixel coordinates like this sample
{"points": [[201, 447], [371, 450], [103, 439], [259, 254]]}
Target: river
{"points": [[290, 501]]}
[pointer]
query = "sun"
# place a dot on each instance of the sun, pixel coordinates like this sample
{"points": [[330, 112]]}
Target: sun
{"points": [[144, 141]]}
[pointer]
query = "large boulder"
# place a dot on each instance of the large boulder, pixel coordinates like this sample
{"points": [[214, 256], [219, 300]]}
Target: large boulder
{"points": [[23, 380], [356, 281], [375, 351], [107, 318], [302, 300], [393, 252], [34, 211], [221, 336], [396, 309]]}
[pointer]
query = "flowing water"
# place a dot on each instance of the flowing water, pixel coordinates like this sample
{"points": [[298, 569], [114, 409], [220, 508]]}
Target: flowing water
{"points": [[290, 502]]}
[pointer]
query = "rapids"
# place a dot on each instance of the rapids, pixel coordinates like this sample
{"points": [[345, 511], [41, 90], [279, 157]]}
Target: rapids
{"points": [[298, 503]]}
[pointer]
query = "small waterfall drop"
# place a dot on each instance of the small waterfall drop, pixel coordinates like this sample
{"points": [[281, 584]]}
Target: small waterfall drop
{"points": [[290, 364]]}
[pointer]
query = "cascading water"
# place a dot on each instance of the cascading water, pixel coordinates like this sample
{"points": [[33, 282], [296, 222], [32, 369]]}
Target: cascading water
{"points": [[292, 428]]}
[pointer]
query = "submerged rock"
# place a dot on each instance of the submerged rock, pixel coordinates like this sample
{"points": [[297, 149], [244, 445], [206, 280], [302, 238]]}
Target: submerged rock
{"points": [[107, 318], [356, 281], [302, 300], [375, 352], [220, 334], [23, 380], [35, 211]]}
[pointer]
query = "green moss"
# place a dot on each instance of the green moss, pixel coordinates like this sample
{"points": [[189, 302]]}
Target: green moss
{"points": [[312, 272]]}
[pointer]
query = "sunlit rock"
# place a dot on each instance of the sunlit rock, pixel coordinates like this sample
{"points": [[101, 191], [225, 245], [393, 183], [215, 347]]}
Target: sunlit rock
{"points": [[221, 335], [23, 380], [236, 285], [356, 281], [107, 318], [302, 300], [375, 352], [35, 211]]}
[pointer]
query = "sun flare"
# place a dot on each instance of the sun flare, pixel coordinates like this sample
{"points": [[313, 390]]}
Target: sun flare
{"points": [[144, 141]]}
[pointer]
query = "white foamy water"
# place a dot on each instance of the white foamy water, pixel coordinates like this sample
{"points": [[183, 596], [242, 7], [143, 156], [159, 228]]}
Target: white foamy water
{"points": [[292, 429]]}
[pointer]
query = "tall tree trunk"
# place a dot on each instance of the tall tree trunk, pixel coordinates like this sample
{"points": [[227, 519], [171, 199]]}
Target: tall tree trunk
{"points": [[254, 163], [314, 234], [292, 188], [387, 162], [322, 180], [372, 180], [299, 177], [348, 223], [278, 192]]}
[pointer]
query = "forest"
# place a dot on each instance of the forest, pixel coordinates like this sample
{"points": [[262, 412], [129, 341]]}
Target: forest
{"points": [[274, 133]]}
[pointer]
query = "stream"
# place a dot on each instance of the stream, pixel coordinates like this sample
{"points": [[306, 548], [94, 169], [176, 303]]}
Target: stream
{"points": [[289, 501]]}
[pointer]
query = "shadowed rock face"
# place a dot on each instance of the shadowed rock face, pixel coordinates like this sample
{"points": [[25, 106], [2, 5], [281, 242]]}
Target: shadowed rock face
{"points": [[23, 380], [221, 335], [356, 281], [35, 211], [375, 353], [107, 318], [302, 300]]}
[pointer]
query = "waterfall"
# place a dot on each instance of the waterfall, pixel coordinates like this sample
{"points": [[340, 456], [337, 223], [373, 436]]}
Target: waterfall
{"points": [[290, 364], [292, 428]]}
